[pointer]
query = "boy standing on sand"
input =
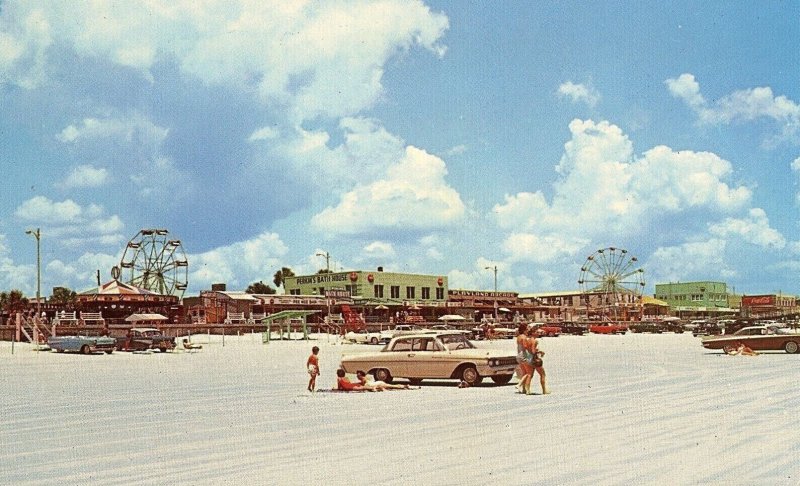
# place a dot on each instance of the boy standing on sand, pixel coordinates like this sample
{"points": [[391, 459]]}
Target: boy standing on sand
{"points": [[313, 368]]}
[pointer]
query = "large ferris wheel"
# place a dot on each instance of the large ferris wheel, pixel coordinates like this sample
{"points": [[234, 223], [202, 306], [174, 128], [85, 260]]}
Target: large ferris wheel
{"points": [[612, 280], [154, 261]]}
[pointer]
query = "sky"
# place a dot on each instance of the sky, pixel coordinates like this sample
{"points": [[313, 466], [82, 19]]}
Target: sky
{"points": [[426, 137]]}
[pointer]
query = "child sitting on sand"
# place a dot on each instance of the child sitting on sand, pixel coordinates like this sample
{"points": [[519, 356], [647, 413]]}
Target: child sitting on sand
{"points": [[344, 384]]}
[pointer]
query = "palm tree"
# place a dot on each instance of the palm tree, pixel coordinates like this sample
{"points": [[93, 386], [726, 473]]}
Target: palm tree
{"points": [[13, 301], [63, 295], [259, 288], [281, 275]]}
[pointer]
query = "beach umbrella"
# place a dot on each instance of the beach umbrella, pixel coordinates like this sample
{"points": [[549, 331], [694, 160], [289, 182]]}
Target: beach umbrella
{"points": [[451, 317], [381, 307], [503, 309]]}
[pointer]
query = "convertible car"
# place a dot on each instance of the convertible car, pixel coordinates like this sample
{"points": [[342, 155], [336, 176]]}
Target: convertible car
{"points": [[82, 344], [757, 338], [433, 355]]}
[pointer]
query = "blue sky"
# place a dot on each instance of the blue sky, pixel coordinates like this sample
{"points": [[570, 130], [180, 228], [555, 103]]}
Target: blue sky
{"points": [[429, 137]]}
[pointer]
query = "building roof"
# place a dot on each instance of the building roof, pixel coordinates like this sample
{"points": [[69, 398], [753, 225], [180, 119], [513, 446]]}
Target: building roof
{"points": [[145, 317], [115, 287], [647, 300]]}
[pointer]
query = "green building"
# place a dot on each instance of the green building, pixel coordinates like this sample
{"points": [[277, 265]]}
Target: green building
{"points": [[695, 297], [377, 287]]}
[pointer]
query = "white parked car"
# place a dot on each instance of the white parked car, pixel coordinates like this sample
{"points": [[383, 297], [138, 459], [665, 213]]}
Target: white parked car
{"points": [[369, 337], [433, 355]]}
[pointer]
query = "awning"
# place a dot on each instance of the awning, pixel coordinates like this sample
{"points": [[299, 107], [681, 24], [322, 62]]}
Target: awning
{"points": [[451, 317], [287, 314], [145, 317], [646, 300]]}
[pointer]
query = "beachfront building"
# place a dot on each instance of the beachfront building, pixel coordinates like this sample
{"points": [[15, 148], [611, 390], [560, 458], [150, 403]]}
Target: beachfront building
{"points": [[696, 299], [378, 287], [769, 305], [576, 305]]}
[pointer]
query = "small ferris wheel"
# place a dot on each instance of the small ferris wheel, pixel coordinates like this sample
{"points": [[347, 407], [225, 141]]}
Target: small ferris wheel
{"points": [[614, 277], [154, 261]]}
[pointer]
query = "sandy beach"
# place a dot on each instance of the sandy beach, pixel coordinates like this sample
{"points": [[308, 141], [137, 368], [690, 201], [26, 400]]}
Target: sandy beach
{"points": [[627, 409]]}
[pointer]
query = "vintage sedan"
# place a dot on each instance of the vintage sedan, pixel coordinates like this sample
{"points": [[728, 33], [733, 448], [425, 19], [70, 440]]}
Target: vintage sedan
{"points": [[82, 344], [757, 338], [369, 337], [145, 338], [433, 355]]}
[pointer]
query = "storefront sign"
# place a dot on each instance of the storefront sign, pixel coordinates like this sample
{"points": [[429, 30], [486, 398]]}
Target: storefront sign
{"points": [[323, 278], [482, 294], [756, 300]]}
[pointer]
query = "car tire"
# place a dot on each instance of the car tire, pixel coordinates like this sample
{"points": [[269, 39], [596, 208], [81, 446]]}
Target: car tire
{"points": [[471, 376], [415, 381], [373, 340], [728, 348], [109, 351], [791, 347], [502, 379], [85, 349], [382, 374]]}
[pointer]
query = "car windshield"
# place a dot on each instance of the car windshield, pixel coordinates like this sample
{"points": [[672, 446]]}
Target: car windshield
{"points": [[455, 341]]}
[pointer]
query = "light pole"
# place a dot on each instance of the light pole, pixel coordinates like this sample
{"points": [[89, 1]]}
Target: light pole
{"points": [[327, 260], [495, 289], [37, 234]]}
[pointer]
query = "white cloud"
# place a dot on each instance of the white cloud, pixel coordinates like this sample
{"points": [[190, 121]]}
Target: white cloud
{"points": [[315, 58], [412, 196], [686, 88], [379, 249], [12, 275], [135, 129], [42, 210], [542, 249], [604, 189], [25, 37], [81, 274], [743, 105], [85, 176], [690, 261], [579, 93], [264, 133], [70, 224], [238, 264], [753, 229]]}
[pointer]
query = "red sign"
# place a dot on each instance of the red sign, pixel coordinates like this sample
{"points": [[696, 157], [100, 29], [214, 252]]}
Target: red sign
{"points": [[758, 300]]}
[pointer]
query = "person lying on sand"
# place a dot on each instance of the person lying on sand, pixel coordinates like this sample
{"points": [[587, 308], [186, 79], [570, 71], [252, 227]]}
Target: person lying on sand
{"points": [[188, 345], [344, 384], [377, 385], [743, 350]]}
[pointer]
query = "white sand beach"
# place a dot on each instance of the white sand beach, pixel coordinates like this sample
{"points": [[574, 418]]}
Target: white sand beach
{"points": [[633, 409]]}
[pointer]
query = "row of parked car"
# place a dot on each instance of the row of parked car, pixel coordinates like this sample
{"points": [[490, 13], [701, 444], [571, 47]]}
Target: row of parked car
{"points": [[137, 339]]}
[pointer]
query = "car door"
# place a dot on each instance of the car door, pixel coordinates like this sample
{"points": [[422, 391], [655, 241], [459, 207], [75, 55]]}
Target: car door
{"points": [[397, 357], [421, 362]]}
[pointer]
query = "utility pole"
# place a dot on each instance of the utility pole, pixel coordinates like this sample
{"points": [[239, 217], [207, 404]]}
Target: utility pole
{"points": [[495, 289], [327, 260], [38, 234]]}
